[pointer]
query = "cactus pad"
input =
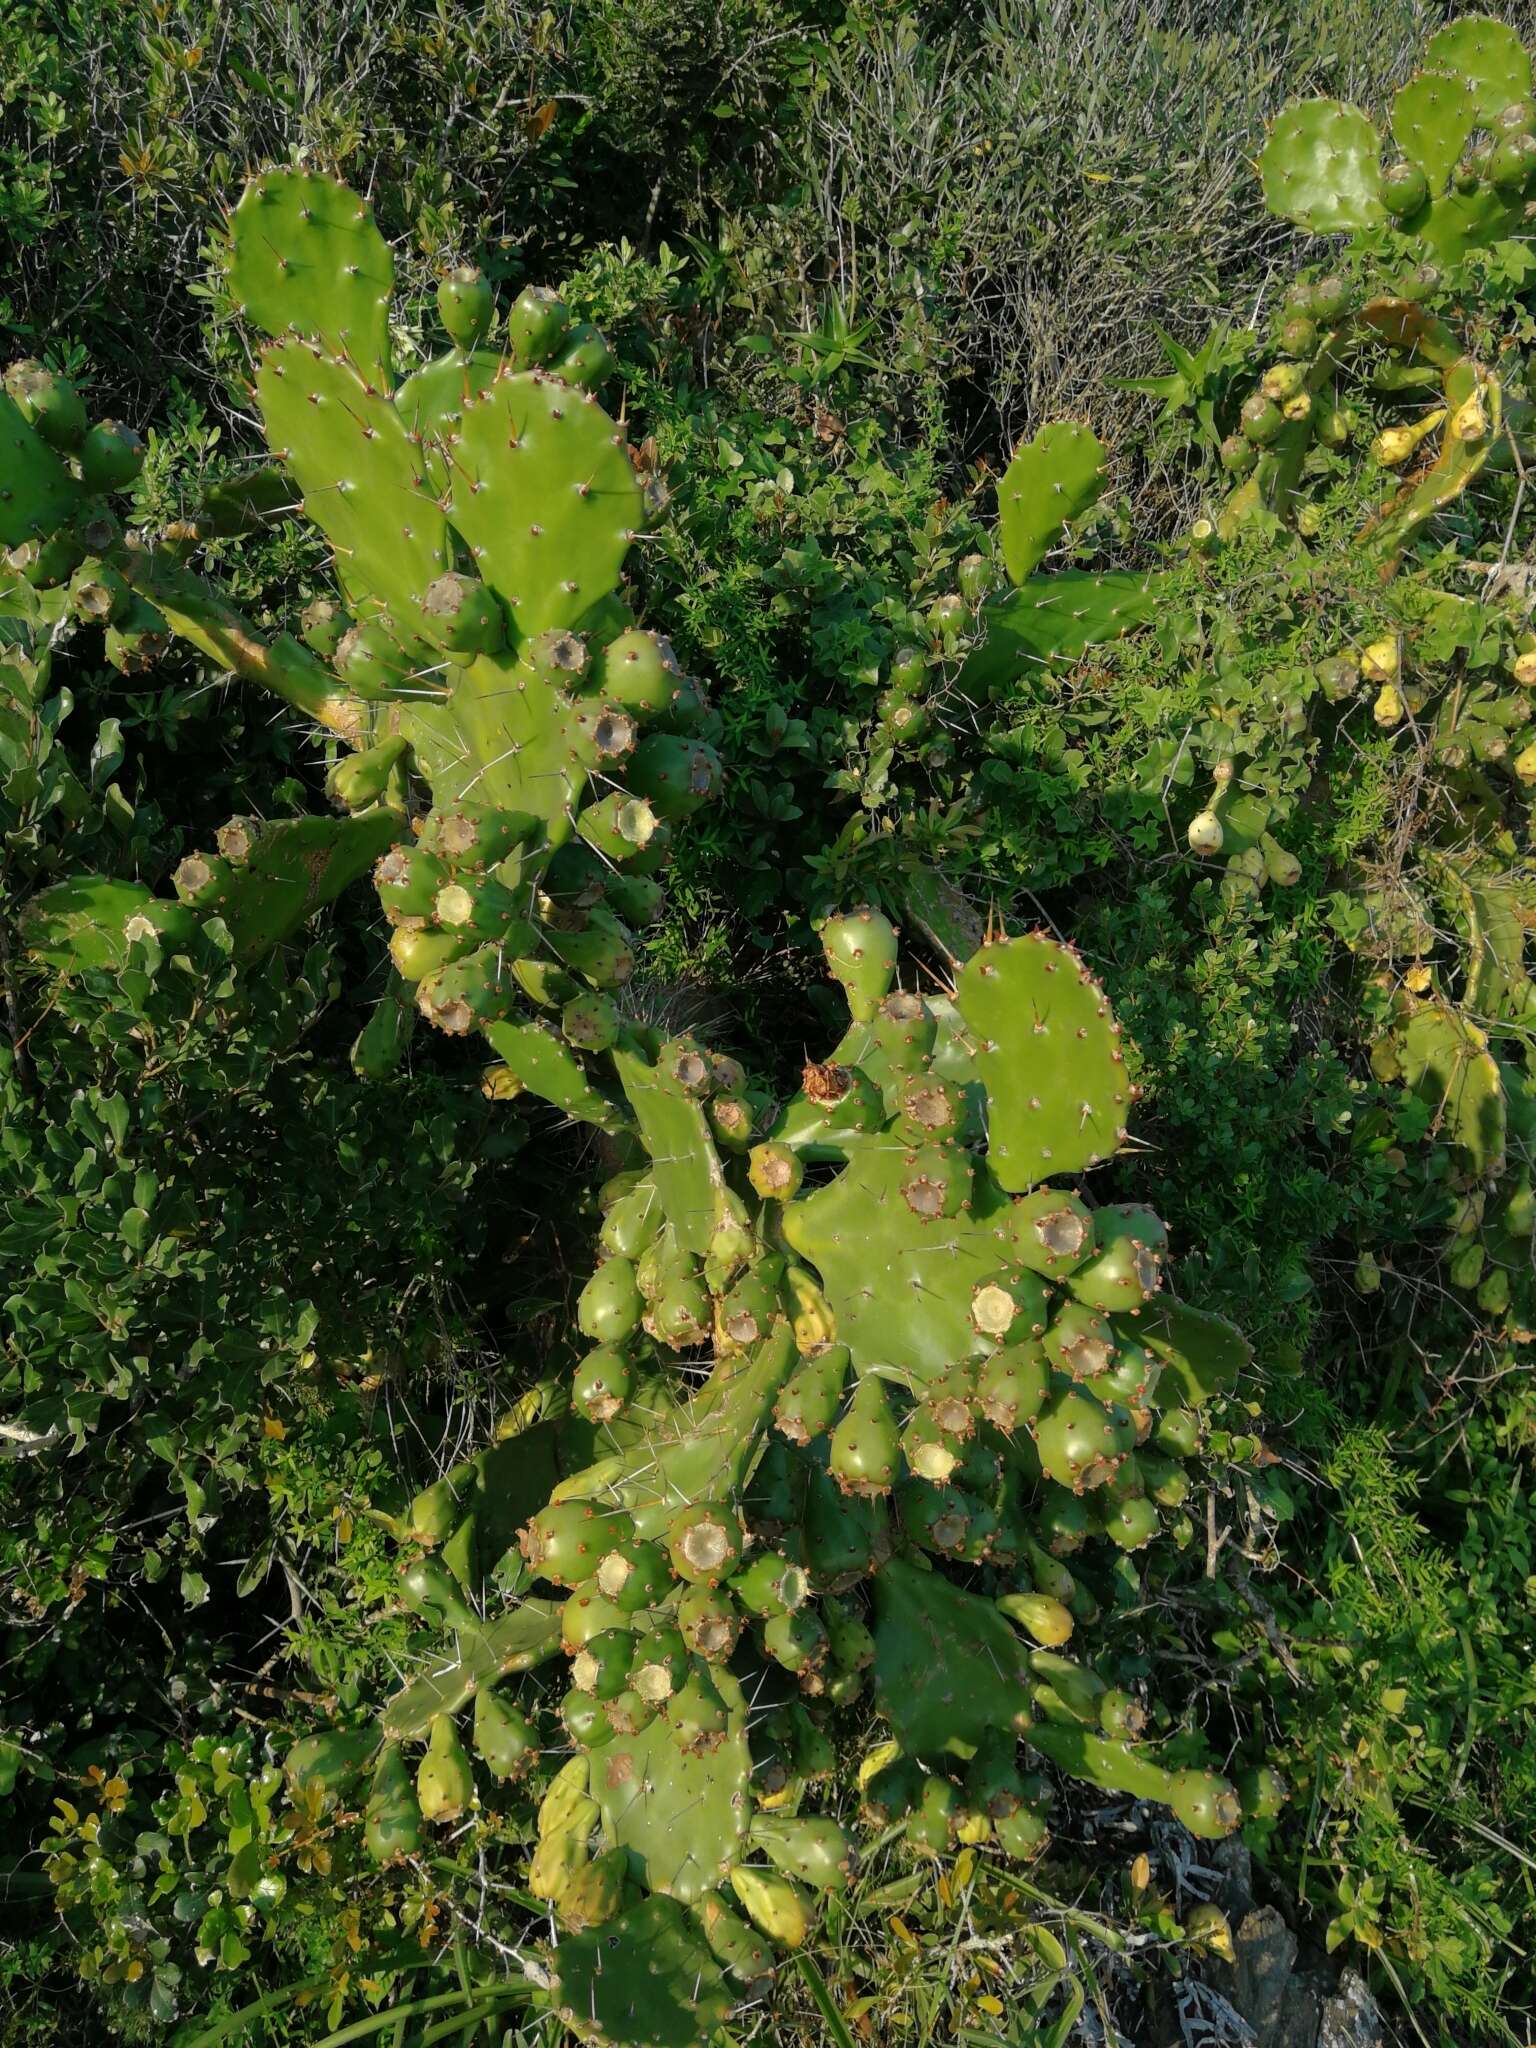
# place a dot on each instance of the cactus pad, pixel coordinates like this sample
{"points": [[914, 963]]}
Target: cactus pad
{"points": [[1432, 117], [1048, 1051], [644, 1980], [1489, 55], [1322, 167], [37, 492], [306, 258], [348, 451], [681, 1814], [545, 497], [1054, 478]]}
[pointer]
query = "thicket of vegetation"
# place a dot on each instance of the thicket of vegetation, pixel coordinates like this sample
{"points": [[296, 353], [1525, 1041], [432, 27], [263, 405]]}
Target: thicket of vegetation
{"points": [[765, 1181]]}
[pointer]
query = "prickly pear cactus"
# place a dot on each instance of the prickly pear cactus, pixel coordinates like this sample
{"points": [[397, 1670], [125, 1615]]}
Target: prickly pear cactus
{"points": [[1380, 460], [521, 749], [874, 1404]]}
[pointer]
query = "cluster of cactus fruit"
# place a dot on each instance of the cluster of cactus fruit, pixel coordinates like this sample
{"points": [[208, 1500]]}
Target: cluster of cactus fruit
{"points": [[872, 1405]]}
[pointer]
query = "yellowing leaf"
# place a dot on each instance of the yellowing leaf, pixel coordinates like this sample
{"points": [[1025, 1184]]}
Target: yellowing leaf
{"points": [[270, 1426], [902, 1931]]}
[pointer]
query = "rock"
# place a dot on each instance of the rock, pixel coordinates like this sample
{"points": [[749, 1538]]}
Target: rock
{"points": [[1255, 1983], [1350, 2018]]}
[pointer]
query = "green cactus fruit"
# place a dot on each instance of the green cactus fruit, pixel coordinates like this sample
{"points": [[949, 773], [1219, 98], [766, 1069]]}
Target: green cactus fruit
{"points": [[460, 1554], [98, 593], [905, 1029], [696, 1713], [635, 898], [1012, 1385], [631, 1223], [628, 1713], [937, 1182], [710, 1621], [602, 1384], [1127, 1265], [537, 325], [585, 359], [445, 1781], [601, 1665], [769, 1584], [1177, 1431], [639, 671], [1079, 1342], [1207, 1805], [847, 1535], [866, 1443], [50, 403], [585, 1720], [601, 952], [1050, 1575], [393, 1829], [564, 1541], [1053, 479], [775, 1172], [860, 949], [931, 1452], [505, 1740], [939, 1518], [849, 1638], [748, 1312], [408, 880], [588, 1613], [811, 1401], [431, 1589], [466, 305], [1131, 1524], [1122, 1716], [680, 1315], [775, 1904], [797, 1640], [1261, 420], [467, 992], [1262, 1793], [462, 616], [659, 1666], [321, 1768], [1023, 1835], [1079, 1440], [1063, 1521], [379, 1049], [1165, 1478], [705, 1543], [633, 1575], [928, 1110], [609, 1307], [1053, 1231], [674, 774], [618, 826], [592, 1894], [358, 780], [1321, 167]]}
